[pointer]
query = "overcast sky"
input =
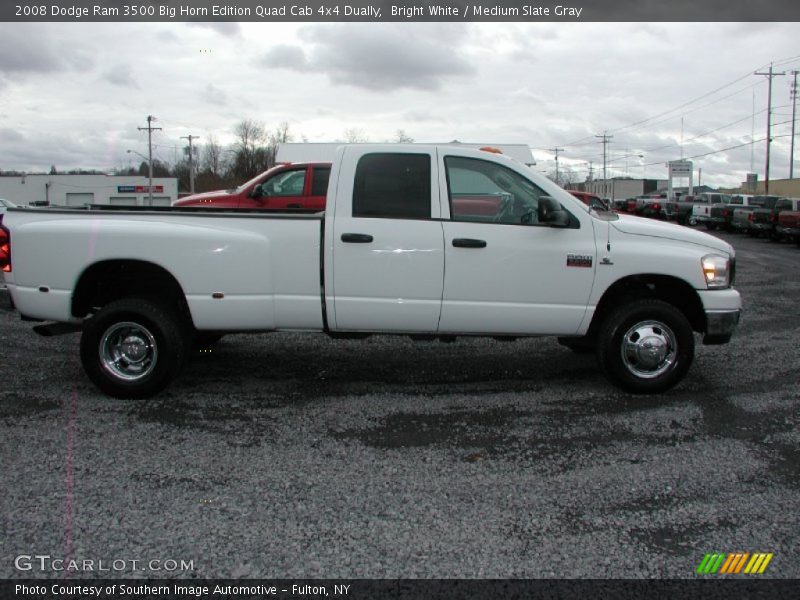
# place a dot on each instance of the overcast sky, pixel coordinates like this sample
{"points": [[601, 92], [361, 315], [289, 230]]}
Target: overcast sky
{"points": [[73, 94]]}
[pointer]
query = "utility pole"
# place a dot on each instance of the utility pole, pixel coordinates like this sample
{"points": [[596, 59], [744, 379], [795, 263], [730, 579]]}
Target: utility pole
{"points": [[793, 96], [605, 140], [191, 137], [556, 150], [150, 129], [770, 75], [591, 171]]}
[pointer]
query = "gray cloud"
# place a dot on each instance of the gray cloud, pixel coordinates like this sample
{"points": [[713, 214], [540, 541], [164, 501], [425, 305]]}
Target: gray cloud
{"points": [[286, 56], [214, 95], [121, 75], [378, 58], [228, 29], [21, 52]]}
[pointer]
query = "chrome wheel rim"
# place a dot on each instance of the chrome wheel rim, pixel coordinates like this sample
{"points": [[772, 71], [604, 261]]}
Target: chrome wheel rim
{"points": [[128, 351], [649, 349]]}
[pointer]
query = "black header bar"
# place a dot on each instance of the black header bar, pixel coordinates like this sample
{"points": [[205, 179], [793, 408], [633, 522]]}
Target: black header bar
{"points": [[265, 11]]}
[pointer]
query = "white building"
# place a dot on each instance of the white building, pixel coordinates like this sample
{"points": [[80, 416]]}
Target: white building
{"points": [[77, 190], [324, 152]]}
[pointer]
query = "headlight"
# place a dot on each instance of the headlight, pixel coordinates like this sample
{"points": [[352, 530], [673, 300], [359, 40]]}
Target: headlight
{"points": [[717, 271]]}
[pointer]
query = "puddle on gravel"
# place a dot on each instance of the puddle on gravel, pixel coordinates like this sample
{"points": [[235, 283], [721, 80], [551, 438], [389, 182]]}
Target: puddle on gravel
{"points": [[465, 429], [16, 405], [239, 425], [676, 540]]}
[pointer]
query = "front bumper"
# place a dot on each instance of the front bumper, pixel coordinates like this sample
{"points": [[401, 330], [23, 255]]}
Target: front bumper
{"points": [[720, 326], [787, 231], [723, 309]]}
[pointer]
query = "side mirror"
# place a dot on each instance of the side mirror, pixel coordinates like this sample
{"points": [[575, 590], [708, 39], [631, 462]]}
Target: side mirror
{"points": [[257, 192], [551, 213]]}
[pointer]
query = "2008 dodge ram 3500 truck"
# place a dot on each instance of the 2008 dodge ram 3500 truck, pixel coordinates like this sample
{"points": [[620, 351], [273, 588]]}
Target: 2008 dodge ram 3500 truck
{"points": [[432, 240]]}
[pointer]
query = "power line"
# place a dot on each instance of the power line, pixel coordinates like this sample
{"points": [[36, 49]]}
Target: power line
{"points": [[583, 140]]}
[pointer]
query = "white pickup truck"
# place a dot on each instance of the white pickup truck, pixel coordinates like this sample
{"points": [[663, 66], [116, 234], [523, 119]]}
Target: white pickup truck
{"points": [[421, 240], [701, 210]]}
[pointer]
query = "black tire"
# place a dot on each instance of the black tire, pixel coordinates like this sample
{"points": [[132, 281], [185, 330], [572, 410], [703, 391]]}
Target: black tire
{"points": [[710, 226], [579, 345], [147, 340], [669, 345]]}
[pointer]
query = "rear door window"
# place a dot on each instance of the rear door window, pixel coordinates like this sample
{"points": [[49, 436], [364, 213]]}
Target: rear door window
{"points": [[396, 186]]}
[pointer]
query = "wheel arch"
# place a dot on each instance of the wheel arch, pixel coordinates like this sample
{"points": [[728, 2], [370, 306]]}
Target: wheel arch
{"points": [[668, 288], [109, 280]]}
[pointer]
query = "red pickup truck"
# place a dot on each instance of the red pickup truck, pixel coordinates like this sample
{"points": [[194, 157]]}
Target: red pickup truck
{"points": [[293, 185], [788, 225]]}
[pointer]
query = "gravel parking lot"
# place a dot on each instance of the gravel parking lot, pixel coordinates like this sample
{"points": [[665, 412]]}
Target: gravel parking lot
{"points": [[291, 455]]}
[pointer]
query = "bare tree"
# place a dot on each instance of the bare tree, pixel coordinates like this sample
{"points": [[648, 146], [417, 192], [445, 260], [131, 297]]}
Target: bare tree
{"points": [[401, 137], [212, 157], [280, 136], [355, 135], [249, 153]]}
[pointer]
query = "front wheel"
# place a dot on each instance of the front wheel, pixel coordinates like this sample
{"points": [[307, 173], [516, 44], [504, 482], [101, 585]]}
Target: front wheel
{"points": [[646, 346], [133, 348]]}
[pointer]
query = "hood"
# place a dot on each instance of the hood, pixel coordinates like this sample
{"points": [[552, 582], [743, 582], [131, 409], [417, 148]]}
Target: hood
{"points": [[204, 196], [660, 229]]}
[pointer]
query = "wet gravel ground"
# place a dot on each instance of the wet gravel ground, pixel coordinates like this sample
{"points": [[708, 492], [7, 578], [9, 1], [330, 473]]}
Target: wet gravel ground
{"points": [[291, 455]]}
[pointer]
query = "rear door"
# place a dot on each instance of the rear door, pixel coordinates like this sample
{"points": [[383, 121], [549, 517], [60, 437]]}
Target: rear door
{"points": [[387, 246]]}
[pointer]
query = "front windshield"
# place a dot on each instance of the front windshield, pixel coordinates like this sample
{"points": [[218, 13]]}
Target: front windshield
{"points": [[250, 183]]}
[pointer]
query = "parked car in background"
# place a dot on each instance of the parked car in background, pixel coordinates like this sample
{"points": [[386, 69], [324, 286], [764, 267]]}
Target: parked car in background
{"points": [[5, 248], [679, 210], [649, 206], [701, 210], [592, 200], [765, 218], [620, 205], [788, 226], [721, 215], [4, 204], [286, 186]]}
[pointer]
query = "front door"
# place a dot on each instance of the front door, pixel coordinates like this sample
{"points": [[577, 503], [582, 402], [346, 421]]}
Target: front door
{"points": [[504, 272]]}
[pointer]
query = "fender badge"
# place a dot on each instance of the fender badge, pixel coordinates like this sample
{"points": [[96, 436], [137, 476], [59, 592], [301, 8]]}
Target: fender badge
{"points": [[579, 260]]}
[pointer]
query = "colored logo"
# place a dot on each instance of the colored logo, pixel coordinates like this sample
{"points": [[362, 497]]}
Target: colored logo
{"points": [[734, 563]]}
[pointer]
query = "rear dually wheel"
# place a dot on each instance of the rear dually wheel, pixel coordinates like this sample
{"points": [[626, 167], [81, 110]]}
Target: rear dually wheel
{"points": [[133, 348]]}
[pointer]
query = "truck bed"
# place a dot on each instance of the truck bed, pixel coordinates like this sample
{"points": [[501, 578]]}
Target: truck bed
{"points": [[281, 289]]}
